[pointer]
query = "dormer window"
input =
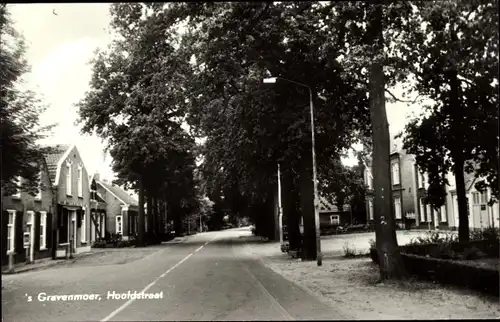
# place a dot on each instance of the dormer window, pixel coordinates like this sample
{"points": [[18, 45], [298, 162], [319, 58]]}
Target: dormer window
{"points": [[68, 178]]}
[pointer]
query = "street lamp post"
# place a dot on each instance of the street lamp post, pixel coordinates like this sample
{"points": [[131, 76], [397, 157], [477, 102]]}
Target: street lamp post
{"points": [[273, 80], [280, 209]]}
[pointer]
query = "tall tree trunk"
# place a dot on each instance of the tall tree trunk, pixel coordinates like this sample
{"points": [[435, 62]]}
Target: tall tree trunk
{"points": [[142, 222], [291, 214], [269, 215], [390, 262], [156, 216], [307, 207], [458, 158], [149, 205]]}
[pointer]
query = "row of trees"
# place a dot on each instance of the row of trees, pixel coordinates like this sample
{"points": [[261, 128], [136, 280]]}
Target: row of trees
{"points": [[134, 103], [203, 63], [210, 75]]}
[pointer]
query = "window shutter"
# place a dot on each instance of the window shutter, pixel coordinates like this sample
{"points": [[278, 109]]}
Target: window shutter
{"points": [[19, 243], [36, 238], [48, 228], [5, 220]]}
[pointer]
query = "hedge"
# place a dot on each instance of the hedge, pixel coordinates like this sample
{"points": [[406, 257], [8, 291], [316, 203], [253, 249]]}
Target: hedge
{"points": [[446, 271]]}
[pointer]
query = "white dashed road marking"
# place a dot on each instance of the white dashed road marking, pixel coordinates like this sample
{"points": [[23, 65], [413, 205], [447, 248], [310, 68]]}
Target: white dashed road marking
{"points": [[121, 308]]}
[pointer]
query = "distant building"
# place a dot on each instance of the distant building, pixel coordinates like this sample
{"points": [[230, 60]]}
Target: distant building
{"points": [[409, 190], [122, 209]]}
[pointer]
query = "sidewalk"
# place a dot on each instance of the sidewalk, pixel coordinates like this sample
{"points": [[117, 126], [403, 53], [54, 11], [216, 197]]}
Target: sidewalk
{"points": [[41, 263]]}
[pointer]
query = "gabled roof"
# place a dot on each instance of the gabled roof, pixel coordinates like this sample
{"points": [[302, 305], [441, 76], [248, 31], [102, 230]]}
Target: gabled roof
{"points": [[54, 159], [119, 193], [325, 206]]}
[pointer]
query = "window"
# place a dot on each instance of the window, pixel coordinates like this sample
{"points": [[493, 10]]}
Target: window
{"points": [[334, 220], [119, 224], [395, 173], [397, 207], [420, 179], [475, 198], [18, 183], [39, 194], [422, 211], [68, 178], [11, 232], [43, 230], [429, 212], [484, 198], [84, 227], [80, 181], [370, 208], [443, 213], [425, 180]]}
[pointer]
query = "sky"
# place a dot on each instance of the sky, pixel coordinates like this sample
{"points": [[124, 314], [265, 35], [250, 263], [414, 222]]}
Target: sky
{"points": [[60, 46]]}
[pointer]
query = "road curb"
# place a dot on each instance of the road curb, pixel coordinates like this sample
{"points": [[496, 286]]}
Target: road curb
{"points": [[50, 264], [34, 268]]}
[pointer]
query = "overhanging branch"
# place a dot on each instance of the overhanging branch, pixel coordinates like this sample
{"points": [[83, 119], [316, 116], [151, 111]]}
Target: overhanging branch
{"points": [[400, 100]]}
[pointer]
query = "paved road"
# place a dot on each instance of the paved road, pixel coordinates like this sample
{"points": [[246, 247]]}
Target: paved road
{"points": [[207, 277]]}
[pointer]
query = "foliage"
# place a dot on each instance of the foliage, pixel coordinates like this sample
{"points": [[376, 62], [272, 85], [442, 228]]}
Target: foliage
{"points": [[372, 243], [433, 237], [135, 102], [456, 67], [491, 234], [19, 115], [340, 184], [250, 127]]}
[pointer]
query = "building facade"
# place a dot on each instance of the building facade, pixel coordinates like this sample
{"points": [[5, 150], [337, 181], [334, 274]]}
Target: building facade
{"points": [[23, 213], [402, 187], [409, 190], [122, 209], [72, 199]]}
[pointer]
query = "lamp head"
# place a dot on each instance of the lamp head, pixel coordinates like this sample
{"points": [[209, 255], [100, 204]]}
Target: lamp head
{"points": [[270, 80]]}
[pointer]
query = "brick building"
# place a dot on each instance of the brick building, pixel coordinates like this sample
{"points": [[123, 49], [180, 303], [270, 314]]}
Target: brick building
{"points": [[22, 213], [122, 209]]}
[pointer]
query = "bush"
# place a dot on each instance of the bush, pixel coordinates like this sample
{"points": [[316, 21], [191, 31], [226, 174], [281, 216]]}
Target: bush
{"points": [[490, 234], [451, 272], [472, 253], [99, 243], [434, 237], [444, 251], [348, 251], [372, 243]]}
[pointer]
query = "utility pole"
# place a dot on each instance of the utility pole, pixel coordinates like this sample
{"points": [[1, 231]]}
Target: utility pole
{"points": [[280, 209]]}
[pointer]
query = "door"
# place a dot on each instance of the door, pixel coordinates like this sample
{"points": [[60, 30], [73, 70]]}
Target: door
{"points": [[480, 214], [30, 228]]}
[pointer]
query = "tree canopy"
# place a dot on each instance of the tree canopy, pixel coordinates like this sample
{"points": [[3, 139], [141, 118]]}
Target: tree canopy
{"points": [[19, 112]]}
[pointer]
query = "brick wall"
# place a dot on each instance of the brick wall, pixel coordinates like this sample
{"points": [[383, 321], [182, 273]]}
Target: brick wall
{"points": [[22, 205]]}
